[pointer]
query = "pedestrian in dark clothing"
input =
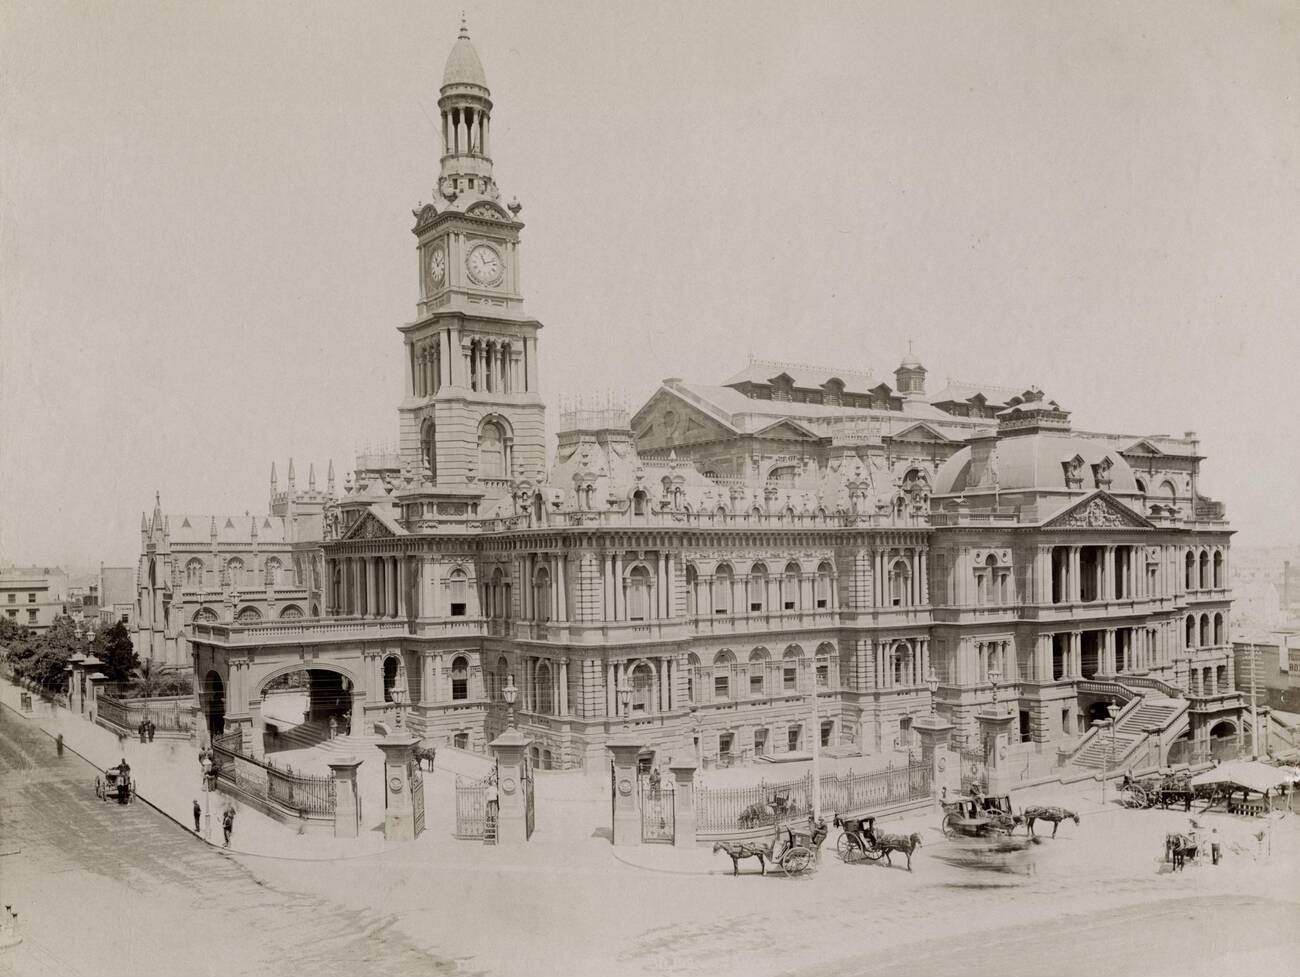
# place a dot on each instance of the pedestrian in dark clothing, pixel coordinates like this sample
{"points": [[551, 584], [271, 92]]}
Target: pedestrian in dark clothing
{"points": [[141, 730], [198, 811], [1187, 801], [150, 728], [228, 824]]}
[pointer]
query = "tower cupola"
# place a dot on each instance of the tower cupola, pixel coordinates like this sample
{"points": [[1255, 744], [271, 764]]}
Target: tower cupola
{"points": [[466, 107], [909, 378]]}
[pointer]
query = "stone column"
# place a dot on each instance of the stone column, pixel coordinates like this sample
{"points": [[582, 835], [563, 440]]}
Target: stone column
{"points": [[511, 751], [347, 799], [995, 730], [619, 609], [945, 769], [399, 814], [257, 728], [372, 597], [564, 687], [627, 820], [683, 803], [95, 682], [357, 714]]}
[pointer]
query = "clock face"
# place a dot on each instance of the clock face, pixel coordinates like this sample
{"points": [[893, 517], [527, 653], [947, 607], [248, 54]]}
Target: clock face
{"points": [[437, 266], [484, 265]]}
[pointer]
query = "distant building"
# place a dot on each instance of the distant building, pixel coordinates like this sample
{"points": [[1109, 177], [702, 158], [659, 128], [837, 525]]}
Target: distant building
{"points": [[244, 569], [1277, 668], [116, 596], [33, 596]]}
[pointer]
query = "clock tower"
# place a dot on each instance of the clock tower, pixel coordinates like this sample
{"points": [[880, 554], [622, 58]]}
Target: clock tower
{"points": [[472, 419]]}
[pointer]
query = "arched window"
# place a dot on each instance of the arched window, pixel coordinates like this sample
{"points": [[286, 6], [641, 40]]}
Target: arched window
{"points": [[758, 671], [459, 678], [723, 584], [542, 594], [1191, 631], [638, 594], [757, 587], [692, 673], [722, 665], [692, 587], [492, 451], [235, 568], [901, 660], [457, 584], [1205, 630], [1205, 570], [502, 677], [900, 584], [790, 587], [1218, 629], [429, 447], [390, 676], [825, 573], [1218, 569], [544, 688], [790, 668], [1191, 570], [638, 503], [1141, 486], [248, 615], [643, 687], [194, 572], [273, 568], [205, 615], [825, 655], [291, 613]]}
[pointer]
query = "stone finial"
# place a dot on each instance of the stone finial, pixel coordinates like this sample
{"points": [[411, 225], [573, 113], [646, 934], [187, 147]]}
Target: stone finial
{"points": [[311, 477]]}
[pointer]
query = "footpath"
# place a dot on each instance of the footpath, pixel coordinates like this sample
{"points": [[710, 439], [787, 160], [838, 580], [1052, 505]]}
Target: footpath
{"points": [[168, 778]]}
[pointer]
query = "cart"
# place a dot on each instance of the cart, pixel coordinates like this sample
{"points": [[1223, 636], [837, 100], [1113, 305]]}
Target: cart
{"points": [[978, 817], [116, 785], [798, 850], [858, 842]]}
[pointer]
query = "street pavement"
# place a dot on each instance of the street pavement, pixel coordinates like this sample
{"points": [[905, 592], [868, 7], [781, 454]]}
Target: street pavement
{"points": [[94, 879]]}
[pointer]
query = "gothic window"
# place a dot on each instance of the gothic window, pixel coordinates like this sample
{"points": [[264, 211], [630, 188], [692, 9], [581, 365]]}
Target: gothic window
{"points": [[459, 678], [205, 615], [249, 615], [236, 570], [291, 613], [491, 451], [194, 572], [273, 568]]}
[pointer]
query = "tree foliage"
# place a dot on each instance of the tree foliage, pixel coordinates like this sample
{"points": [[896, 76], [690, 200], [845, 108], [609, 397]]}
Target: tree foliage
{"points": [[112, 646], [42, 656]]}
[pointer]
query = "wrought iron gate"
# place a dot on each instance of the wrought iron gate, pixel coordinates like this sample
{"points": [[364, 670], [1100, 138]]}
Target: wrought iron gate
{"points": [[417, 798], [657, 822], [471, 805]]}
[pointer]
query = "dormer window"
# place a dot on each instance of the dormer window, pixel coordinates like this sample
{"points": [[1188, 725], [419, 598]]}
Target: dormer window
{"points": [[1073, 471], [1101, 473]]}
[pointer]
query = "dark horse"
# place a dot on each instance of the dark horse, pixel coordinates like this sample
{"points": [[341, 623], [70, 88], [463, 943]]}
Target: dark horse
{"points": [[1054, 814], [904, 843], [1180, 847], [742, 849]]}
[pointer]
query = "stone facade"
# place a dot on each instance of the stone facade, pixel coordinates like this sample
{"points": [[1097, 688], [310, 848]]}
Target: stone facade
{"points": [[797, 554]]}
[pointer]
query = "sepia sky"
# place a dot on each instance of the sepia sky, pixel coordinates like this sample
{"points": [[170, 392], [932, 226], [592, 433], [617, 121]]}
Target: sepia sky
{"points": [[205, 215]]}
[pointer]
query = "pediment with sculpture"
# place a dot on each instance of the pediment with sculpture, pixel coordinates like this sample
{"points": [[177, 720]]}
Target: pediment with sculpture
{"points": [[1099, 511]]}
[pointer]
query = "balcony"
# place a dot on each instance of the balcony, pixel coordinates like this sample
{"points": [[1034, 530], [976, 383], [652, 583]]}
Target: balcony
{"points": [[760, 622], [298, 631]]}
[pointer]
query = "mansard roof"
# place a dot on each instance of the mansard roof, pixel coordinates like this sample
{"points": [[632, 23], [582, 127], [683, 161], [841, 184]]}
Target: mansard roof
{"points": [[803, 376]]}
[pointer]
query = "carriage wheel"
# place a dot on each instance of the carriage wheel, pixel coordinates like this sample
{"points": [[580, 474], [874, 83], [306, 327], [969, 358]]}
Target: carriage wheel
{"points": [[949, 829], [875, 854], [847, 850], [796, 861], [1135, 798]]}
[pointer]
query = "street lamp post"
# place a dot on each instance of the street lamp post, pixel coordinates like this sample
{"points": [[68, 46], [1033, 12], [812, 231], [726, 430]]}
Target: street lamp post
{"points": [[512, 694], [995, 677], [624, 701], [205, 764], [932, 683], [1108, 757], [1254, 704], [816, 748], [399, 693]]}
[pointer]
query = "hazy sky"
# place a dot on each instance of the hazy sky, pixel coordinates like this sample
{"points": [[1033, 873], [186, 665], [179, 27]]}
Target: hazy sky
{"points": [[206, 208]]}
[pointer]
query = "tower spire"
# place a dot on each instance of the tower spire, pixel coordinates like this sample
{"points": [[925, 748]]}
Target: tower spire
{"points": [[464, 27], [273, 479]]}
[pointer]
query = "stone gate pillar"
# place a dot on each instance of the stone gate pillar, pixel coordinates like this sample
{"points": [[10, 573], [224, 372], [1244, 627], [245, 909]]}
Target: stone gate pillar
{"points": [[945, 769], [347, 799], [995, 728], [96, 682], [257, 729], [511, 751], [399, 814], [627, 819], [683, 803]]}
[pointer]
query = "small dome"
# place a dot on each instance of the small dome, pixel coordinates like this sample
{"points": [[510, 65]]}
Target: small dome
{"points": [[910, 362], [463, 65]]}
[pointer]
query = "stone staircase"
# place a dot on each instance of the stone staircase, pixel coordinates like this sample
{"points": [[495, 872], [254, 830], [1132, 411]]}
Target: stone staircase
{"points": [[1153, 711]]}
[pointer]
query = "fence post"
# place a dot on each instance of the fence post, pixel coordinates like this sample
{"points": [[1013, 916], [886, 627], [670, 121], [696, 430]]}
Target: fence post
{"points": [[96, 680], [399, 814], [510, 749], [935, 732], [347, 801], [683, 804], [995, 728]]}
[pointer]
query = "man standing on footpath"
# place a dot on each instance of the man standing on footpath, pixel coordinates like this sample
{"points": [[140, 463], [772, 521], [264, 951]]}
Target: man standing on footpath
{"points": [[198, 811], [228, 825]]}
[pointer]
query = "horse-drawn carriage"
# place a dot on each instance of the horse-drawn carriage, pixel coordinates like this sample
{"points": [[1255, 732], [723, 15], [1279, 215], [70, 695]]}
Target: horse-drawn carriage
{"points": [[860, 842], [1156, 790], [978, 816], [795, 851], [770, 811], [116, 784]]}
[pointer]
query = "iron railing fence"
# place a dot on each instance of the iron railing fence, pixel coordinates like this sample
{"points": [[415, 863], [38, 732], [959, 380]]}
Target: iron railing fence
{"points": [[129, 713]]}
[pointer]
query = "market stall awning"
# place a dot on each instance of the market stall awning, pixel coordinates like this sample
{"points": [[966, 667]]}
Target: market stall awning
{"points": [[1249, 774]]}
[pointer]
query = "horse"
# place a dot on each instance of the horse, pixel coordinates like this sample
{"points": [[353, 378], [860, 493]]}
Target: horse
{"points": [[741, 849], [904, 843], [1054, 814], [762, 811], [1178, 847]]}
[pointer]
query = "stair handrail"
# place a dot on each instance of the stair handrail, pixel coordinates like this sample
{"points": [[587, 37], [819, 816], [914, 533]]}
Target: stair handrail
{"points": [[1090, 736], [1159, 685], [1106, 687]]}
